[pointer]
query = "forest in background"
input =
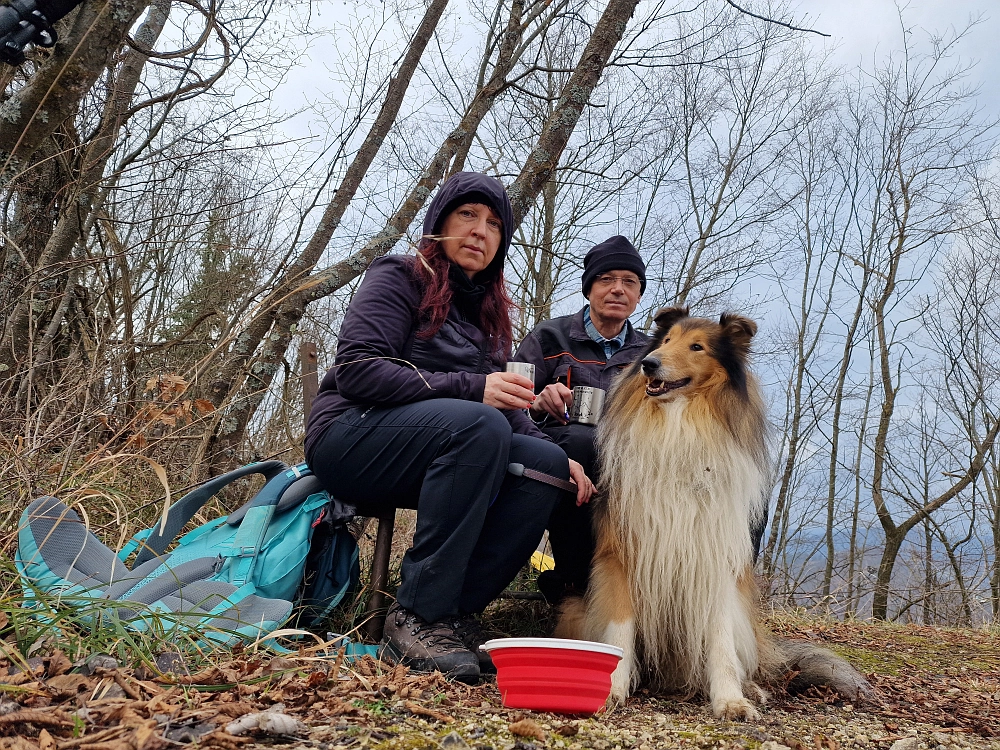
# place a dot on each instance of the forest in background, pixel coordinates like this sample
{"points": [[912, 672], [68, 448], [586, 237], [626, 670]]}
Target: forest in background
{"points": [[172, 235]]}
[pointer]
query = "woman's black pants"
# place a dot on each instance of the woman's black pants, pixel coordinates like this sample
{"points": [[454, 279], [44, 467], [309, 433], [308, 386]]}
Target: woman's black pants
{"points": [[476, 523]]}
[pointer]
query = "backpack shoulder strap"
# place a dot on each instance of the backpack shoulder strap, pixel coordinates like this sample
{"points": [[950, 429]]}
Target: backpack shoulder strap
{"points": [[253, 526], [184, 509]]}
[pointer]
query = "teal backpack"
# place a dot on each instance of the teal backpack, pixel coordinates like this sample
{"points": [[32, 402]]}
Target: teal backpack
{"points": [[235, 578]]}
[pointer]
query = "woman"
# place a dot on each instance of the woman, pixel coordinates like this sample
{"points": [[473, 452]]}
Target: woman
{"points": [[417, 411]]}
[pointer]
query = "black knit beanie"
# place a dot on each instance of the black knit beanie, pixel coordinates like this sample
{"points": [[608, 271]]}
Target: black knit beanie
{"points": [[614, 254]]}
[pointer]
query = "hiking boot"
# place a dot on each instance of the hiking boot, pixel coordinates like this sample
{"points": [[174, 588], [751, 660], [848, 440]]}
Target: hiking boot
{"points": [[424, 646], [471, 632]]}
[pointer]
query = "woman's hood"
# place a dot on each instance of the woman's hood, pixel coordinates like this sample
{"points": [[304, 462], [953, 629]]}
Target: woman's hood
{"points": [[473, 187]]}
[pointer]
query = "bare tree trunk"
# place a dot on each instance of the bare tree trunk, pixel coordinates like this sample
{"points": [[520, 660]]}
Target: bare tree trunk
{"points": [[993, 501], [544, 280], [770, 558], [853, 593], [956, 569], [805, 347], [78, 208], [838, 405], [544, 157], [96, 32], [930, 583]]}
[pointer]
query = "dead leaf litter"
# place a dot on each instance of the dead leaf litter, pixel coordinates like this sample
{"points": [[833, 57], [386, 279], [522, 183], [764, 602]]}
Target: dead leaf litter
{"points": [[936, 689]]}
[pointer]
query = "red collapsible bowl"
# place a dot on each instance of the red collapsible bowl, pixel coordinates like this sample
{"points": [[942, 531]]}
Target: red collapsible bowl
{"points": [[553, 674]]}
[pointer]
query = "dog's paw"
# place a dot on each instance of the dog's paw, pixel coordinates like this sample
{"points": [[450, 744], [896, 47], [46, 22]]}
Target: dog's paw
{"points": [[760, 695], [735, 709], [614, 702], [621, 687], [619, 691]]}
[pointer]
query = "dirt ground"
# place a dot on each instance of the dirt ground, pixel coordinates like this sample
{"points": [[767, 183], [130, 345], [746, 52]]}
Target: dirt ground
{"points": [[935, 688]]}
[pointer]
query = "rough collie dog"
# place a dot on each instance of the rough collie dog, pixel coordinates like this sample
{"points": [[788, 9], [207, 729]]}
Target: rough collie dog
{"points": [[685, 477]]}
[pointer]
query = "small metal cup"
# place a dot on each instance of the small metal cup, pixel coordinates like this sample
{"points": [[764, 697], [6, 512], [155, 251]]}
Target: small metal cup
{"points": [[522, 368], [588, 402]]}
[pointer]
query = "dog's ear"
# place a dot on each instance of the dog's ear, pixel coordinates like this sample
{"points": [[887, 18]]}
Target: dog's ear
{"points": [[667, 316], [738, 330]]}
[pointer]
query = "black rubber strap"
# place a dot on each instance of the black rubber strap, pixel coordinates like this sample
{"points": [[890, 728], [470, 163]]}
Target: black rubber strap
{"points": [[518, 470]]}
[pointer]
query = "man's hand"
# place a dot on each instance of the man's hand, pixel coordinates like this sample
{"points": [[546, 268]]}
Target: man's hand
{"points": [[584, 487], [554, 400], [508, 390]]}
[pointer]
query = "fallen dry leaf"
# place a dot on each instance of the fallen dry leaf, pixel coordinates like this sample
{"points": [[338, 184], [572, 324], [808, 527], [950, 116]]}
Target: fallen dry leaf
{"points": [[418, 710], [146, 735], [280, 667], [92, 738], [210, 676], [67, 685], [190, 732], [58, 664], [204, 405], [38, 717], [223, 740], [528, 728], [45, 741], [17, 743], [235, 710]]}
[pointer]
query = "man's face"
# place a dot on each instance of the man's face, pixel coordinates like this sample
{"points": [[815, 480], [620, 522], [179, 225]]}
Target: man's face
{"points": [[614, 295]]}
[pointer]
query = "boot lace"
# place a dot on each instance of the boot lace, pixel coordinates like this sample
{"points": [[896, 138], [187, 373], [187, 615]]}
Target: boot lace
{"points": [[440, 634], [469, 631]]}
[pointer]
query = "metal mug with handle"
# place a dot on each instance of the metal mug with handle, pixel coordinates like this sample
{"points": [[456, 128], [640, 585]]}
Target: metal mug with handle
{"points": [[588, 402]]}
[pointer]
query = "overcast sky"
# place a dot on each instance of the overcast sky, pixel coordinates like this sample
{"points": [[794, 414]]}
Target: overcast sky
{"points": [[862, 29]]}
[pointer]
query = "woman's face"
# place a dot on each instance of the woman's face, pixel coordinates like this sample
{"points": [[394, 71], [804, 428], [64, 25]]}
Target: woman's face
{"points": [[471, 236]]}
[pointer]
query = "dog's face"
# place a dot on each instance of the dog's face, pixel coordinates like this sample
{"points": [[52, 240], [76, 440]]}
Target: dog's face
{"points": [[691, 355]]}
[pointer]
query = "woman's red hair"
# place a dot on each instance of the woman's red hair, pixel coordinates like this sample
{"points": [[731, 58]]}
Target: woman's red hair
{"points": [[432, 269]]}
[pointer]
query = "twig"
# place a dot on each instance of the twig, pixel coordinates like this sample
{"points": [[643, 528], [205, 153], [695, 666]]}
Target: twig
{"points": [[772, 20], [123, 683], [533, 596], [91, 739]]}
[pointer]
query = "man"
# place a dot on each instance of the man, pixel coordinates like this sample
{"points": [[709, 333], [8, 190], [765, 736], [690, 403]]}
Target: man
{"points": [[588, 348]]}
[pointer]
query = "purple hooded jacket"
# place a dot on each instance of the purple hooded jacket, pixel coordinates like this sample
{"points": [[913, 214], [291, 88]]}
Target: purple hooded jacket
{"points": [[377, 338]]}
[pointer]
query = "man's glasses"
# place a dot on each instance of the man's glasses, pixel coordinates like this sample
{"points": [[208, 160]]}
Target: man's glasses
{"points": [[607, 279]]}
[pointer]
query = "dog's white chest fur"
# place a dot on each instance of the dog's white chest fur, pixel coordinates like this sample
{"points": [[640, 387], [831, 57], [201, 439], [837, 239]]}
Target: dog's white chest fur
{"points": [[682, 502]]}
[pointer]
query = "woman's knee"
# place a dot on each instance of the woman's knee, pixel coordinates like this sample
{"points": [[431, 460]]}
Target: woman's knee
{"points": [[485, 424]]}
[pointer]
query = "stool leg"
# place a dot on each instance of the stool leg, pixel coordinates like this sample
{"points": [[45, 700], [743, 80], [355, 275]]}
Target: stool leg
{"points": [[375, 614]]}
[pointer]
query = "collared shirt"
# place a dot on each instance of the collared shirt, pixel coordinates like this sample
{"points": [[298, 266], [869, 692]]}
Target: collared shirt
{"points": [[610, 345]]}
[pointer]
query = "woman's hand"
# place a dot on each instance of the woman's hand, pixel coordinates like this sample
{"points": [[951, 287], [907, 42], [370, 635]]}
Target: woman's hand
{"points": [[508, 390], [584, 487], [554, 400]]}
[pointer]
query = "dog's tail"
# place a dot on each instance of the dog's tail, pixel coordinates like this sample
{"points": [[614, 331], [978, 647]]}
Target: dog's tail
{"points": [[808, 665], [572, 615]]}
